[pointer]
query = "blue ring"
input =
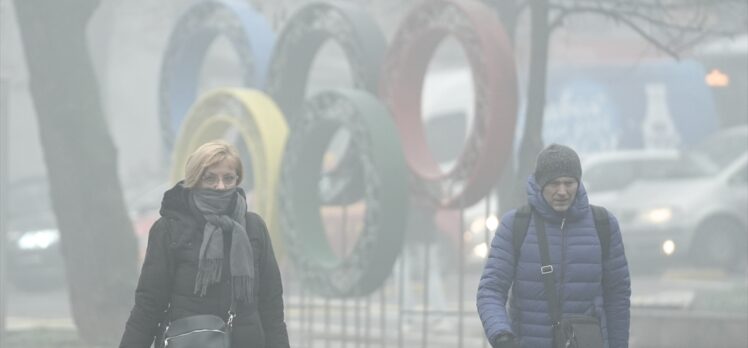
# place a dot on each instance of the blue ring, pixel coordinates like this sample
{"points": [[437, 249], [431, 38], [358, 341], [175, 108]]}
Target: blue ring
{"points": [[249, 33]]}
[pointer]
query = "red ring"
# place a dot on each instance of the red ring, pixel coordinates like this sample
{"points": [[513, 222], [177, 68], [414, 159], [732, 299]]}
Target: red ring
{"points": [[489, 53]]}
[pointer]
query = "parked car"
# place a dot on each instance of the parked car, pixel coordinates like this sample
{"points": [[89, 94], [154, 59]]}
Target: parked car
{"points": [[607, 174], [698, 213], [34, 256]]}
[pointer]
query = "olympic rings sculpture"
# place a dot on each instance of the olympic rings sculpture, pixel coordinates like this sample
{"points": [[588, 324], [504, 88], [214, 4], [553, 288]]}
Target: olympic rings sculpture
{"points": [[395, 73]]}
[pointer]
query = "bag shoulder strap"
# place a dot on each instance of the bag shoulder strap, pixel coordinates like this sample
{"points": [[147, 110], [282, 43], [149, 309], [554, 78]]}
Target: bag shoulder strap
{"points": [[602, 225], [522, 223], [546, 272], [170, 255], [519, 228], [163, 324]]}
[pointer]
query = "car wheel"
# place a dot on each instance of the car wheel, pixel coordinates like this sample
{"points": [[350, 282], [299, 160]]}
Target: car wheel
{"points": [[721, 244]]}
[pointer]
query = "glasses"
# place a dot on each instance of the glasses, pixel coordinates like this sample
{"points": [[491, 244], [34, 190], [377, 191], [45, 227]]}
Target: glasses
{"points": [[212, 180]]}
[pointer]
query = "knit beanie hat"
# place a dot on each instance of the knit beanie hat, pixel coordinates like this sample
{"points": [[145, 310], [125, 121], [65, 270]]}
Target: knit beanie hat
{"points": [[556, 161]]}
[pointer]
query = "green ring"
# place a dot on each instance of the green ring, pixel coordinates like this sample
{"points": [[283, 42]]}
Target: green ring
{"points": [[376, 146]]}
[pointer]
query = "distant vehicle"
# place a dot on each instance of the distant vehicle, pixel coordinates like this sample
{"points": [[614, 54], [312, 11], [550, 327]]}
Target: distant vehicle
{"points": [[33, 253], [34, 256], [607, 174], [698, 212]]}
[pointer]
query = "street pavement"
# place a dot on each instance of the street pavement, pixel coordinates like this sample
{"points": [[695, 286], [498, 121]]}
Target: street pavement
{"points": [[664, 301]]}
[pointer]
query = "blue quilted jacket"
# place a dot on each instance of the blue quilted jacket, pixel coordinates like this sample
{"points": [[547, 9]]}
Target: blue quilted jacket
{"points": [[511, 297]]}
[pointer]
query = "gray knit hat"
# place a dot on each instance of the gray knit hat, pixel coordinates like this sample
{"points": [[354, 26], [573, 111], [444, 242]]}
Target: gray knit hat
{"points": [[556, 161]]}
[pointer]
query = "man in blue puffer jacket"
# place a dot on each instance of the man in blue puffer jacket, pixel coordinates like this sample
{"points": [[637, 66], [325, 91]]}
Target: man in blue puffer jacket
{"points": [[585, 283]]}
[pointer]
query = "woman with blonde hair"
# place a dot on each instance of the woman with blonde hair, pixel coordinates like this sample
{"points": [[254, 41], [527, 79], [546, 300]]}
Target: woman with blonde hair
{"points": [[207, 255]]}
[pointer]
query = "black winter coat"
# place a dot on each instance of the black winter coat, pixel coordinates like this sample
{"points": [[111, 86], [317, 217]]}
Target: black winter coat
{"points": [[167, 280]]}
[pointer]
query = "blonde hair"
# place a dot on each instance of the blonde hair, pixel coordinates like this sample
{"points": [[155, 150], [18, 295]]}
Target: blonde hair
{"points": [[209, 154]]}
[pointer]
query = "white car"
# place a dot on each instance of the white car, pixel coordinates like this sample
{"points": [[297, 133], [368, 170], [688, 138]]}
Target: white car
{"points": [[606, 174], [699, 213]]}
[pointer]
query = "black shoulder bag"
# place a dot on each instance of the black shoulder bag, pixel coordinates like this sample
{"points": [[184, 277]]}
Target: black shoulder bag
{"points": [[570, 331], [200, 331]]}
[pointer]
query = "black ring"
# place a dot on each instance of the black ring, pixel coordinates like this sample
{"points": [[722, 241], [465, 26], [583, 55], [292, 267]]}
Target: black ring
{"points": [[364, 45]]}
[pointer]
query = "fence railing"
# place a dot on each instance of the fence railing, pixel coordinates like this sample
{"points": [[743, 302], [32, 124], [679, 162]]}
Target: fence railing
{"points": [[427, 301]]}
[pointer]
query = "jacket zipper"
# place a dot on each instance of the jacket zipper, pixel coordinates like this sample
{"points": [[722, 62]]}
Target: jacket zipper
{"points": [[563, 268]]}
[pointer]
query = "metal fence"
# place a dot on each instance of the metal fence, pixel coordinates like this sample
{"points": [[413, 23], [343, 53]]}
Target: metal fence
{"points": [[3, 200], [428, 299]]}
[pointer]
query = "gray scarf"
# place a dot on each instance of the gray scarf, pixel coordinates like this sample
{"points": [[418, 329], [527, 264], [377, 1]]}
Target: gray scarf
{"points": [[213, 204]]}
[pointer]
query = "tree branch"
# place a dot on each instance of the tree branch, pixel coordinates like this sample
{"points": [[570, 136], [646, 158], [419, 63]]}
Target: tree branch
{"points": [[664, 19]]}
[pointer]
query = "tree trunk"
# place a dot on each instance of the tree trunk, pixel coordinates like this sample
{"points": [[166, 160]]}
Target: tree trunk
{"points": [[532, 141], [507, 11], [98, 244]]}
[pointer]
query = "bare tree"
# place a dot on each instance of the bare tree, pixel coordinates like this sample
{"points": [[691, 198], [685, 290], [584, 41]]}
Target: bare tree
{"points": [[98, 244], [673, 26]]}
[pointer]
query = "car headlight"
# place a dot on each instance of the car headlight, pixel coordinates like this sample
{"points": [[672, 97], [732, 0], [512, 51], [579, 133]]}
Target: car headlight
{"points": [[41, 239], [658, 216], [481, 250], [668, 247]]}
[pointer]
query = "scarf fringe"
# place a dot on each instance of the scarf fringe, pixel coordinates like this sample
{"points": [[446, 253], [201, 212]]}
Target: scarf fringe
{"points": [[209, 272], [242, 287]]}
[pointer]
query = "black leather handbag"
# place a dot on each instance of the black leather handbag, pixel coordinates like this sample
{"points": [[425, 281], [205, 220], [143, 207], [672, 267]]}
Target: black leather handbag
{"points": [[580, 331], [571, 331], [199, 331]]}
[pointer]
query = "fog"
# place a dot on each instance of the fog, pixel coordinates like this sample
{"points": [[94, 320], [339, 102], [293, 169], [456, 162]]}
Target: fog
{"points": [[407, 128]]}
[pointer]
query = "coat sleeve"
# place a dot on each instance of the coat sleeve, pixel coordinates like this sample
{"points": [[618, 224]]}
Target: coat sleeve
{"points": [[617, 290], [271, 294], [497, 278], [152, 293]]}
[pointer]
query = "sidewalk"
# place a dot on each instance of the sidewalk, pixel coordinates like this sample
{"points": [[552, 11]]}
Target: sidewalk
{"points": [[672, 310], [27, 323]]}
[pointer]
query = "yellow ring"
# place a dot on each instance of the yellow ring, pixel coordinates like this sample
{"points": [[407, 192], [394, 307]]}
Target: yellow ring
{"points": [[261, 126]]}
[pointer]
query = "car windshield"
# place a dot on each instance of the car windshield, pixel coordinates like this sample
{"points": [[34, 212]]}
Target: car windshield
{"points": [[617, 174], [712, 155]]}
